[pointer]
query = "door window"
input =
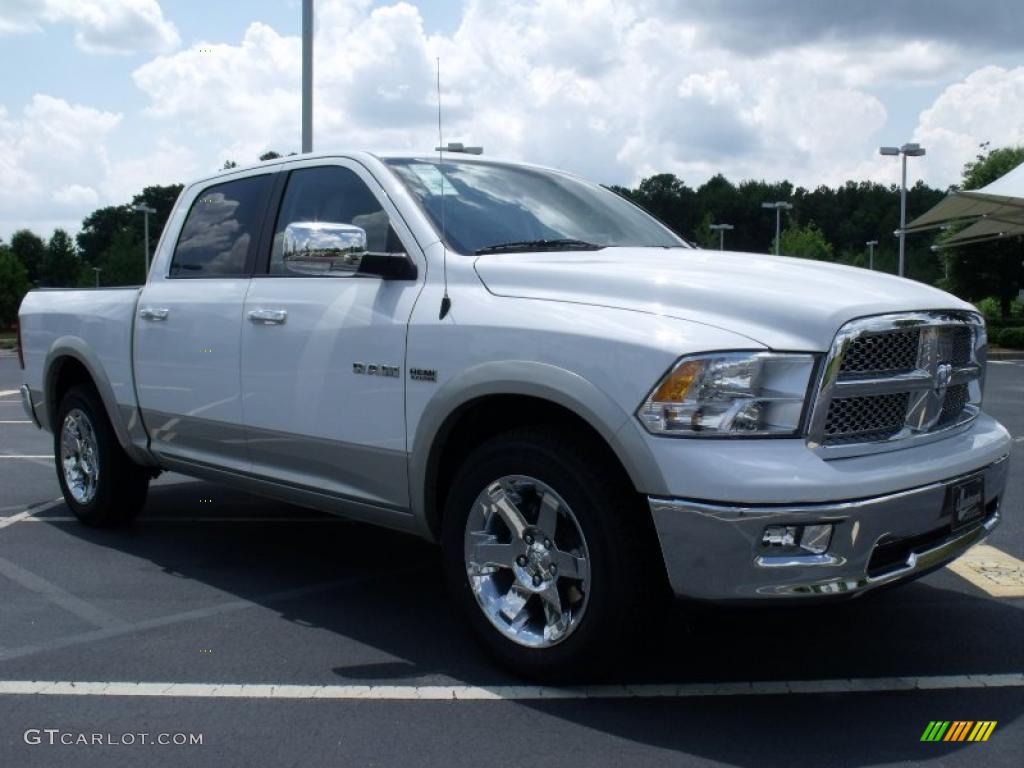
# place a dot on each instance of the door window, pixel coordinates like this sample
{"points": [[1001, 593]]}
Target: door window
{"points": [[222, 229], [331, 195]]}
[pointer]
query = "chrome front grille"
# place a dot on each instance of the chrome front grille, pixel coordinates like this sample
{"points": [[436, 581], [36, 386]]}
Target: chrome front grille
{"points": [[956, 401], [896, 378], [856, 419], [887, 352], [962, 342]]}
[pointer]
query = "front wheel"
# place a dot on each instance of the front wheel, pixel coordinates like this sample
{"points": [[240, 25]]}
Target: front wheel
{"points": [[101, 485], [548, 551]]}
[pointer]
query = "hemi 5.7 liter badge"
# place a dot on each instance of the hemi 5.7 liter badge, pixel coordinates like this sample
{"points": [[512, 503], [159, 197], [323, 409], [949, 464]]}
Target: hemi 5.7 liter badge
{"points": [[423, 374]]}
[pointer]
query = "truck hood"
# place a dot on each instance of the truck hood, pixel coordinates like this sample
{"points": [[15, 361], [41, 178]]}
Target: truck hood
{"points": [[781, 302]]}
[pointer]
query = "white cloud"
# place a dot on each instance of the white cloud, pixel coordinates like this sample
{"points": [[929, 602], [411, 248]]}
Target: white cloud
{"points": [[165, 163], [76, 195], [56, 165], [243, 96], [613, 89], [988, 105], [101, 26], [47, 152], [605, 87]]}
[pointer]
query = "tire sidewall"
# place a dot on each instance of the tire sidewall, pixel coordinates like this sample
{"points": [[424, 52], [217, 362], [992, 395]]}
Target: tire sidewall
{"points": [[86, 401], [577, 483]]}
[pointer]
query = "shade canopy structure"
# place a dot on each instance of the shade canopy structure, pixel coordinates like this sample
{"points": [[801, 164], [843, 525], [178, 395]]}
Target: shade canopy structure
{"points": [[992, 212]]}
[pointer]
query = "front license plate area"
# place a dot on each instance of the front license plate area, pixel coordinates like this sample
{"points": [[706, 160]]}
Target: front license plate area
{"points": [[966, 500]]}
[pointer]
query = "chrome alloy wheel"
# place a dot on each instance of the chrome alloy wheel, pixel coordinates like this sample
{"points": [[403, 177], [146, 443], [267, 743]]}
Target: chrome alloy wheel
{"points": [[527, 561], [79, 456]]}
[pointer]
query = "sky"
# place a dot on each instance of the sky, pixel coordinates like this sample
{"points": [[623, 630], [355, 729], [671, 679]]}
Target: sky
{"points": [[99, 98]]}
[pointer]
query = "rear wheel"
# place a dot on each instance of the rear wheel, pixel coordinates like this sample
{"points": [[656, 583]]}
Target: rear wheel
{"points": [[101, 485], [548, 551]]}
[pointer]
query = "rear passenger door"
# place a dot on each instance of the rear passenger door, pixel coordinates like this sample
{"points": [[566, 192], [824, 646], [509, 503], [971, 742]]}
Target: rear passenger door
{"points": [[323, 356], [188, 328]]}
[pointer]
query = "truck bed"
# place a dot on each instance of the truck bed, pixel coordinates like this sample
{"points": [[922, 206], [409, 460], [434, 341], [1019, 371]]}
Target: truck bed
{"points": [[92, 325]]}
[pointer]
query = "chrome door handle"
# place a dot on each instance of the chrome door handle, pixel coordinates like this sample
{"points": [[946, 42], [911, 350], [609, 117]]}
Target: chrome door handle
{"points": [[152, 313], [268, 316]]}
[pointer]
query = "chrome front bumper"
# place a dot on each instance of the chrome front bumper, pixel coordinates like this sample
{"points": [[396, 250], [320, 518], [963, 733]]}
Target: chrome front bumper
{"points": [[27, 404], [715, 551]]}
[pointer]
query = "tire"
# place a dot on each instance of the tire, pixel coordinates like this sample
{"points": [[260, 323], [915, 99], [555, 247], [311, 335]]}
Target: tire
{"points": [[101, 485], [610, 599]]}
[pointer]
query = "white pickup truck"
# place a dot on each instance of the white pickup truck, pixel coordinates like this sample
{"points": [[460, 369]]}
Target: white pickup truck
{"points": [[581, 408]]}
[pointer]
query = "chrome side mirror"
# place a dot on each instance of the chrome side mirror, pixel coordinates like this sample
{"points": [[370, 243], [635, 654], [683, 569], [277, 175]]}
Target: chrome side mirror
{"points": [[323, 248]]}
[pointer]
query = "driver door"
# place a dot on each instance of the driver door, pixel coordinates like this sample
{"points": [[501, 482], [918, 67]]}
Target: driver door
{"points": [[315, 416]]}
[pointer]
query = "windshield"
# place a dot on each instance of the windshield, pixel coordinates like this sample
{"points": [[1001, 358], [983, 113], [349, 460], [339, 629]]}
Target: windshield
{"points": [[498, 207]]}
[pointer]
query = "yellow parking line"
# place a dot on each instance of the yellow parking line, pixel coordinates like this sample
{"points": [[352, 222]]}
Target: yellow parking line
{"points": [[992, 571]]}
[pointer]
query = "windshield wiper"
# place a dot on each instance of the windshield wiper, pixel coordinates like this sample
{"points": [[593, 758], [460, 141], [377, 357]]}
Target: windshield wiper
{"points": [[557, 244]]}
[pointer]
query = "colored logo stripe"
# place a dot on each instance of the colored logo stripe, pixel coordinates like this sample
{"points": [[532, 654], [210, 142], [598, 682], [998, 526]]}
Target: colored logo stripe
{"points": [[958, 730], [982, 730]]}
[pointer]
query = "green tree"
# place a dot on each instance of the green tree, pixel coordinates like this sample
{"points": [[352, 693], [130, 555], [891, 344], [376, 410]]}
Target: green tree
{"points": [[670, 200], [99, 229], [807, 242], [271, 155], [993, 268], [228, 165], [704, 236], [847, 216], [30, 250], [61, 266], [102, 225], [991, 164], [162, 200], [122, 262], [14, 285]]}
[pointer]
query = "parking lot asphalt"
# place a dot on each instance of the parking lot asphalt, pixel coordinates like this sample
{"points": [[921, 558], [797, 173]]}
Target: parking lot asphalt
{"points": [[309, 640]]}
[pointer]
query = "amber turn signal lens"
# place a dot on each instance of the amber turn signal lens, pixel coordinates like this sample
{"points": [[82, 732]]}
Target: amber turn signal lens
{"points": [[676, 385]]}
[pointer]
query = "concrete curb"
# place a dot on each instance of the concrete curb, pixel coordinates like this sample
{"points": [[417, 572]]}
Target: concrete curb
{"points": [[1005, 354]]}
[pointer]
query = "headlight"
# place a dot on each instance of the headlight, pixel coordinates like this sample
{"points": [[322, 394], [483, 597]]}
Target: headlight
{"points": [[730, 394]]}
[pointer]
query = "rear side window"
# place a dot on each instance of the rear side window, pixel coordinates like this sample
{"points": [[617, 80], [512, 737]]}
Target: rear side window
{"points": [[222, 229]]}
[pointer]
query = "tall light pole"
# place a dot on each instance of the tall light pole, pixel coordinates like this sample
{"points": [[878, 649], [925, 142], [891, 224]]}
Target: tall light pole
{"points": [[97, 270], [145, 210], [871, 253], [907, 150], [721, 233], [307, 76], [779, 206]]}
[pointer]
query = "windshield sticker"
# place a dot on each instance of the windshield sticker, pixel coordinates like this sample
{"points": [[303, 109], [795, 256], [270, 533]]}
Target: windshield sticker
{"points": [[433, 179]]}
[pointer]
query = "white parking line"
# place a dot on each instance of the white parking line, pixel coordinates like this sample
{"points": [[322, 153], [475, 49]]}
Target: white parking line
{"points": [[83, 609], [504, 692], [7, 392], [25, 456], [18, 421], [198, 614], [28, 513]]}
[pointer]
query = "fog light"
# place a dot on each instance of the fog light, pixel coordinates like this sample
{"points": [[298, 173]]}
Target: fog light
{"points": [[779, 536], [816, 538], [807, 538]]}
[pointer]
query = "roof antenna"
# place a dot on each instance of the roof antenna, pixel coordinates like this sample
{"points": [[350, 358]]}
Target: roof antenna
{"points": [[446, 302]]}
